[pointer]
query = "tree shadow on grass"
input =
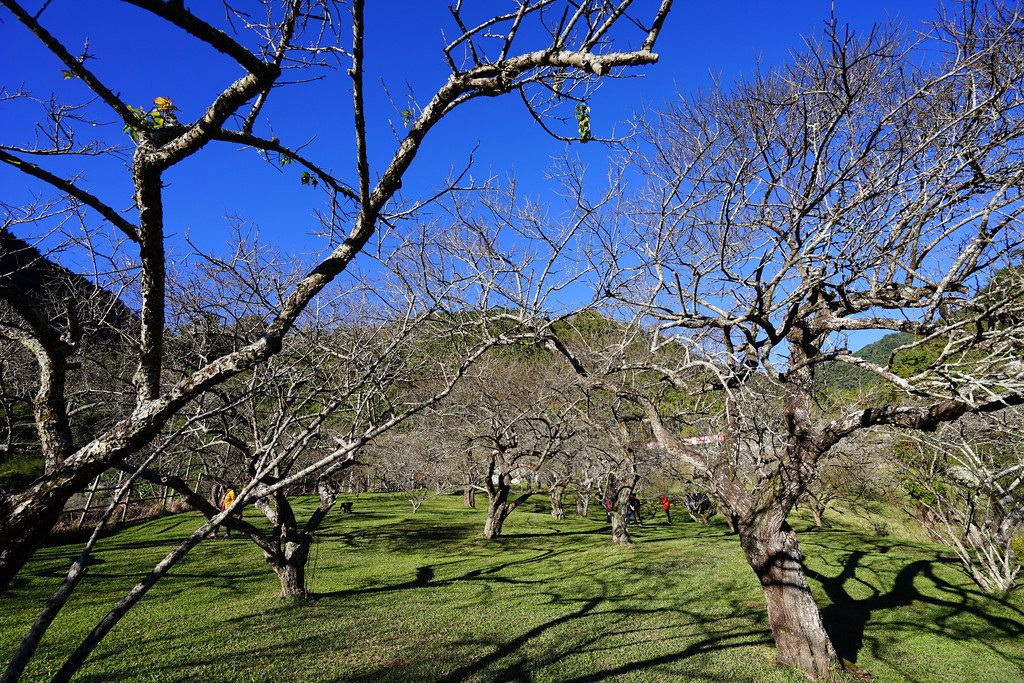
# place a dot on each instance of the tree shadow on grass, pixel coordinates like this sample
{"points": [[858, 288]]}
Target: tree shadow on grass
{"points": [[712, 643], [846, 617], [425, 578], [464, 672], [599, 531], [523, 669], [407, 538]]}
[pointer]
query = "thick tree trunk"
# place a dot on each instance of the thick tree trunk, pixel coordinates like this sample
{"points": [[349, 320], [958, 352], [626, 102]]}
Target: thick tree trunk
{"points": [[557, 509], [499, 486], [499, 507], [27, 518], [469, 496], [818, 513], [582, 503], [288, 552], [291, 571], [773, 552], [620, 533], [496, 514]]}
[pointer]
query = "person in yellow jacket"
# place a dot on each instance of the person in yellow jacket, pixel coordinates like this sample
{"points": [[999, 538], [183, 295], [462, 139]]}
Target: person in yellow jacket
{"points": [[229, 498]]}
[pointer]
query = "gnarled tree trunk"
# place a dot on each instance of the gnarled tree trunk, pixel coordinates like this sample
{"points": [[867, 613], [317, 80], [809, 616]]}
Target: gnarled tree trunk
{"points": [[582, 502], [499, 507], [288, 552], [290, 567], [557, 491], [498, 488], [496, 514], [772, 549], [620, 533], [469, 496]]}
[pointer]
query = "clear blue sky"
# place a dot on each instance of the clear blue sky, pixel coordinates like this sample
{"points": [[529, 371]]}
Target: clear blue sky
{"points": [[141, 59]]}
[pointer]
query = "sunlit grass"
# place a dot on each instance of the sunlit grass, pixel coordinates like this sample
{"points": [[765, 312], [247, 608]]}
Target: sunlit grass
{"points": [[424, 597]]}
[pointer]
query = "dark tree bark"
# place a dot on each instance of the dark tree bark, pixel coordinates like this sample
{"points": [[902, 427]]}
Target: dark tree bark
{"points": [[499, 507], [772, 549], [620, 532], [287, 553], [469, 496]]}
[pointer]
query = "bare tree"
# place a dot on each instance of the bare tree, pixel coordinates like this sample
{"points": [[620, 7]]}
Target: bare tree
{"points": [[623, 459], [858, 188], [968, 479], [416, 457], [857, 474], [293, 41], [512, 418], [296, 411]]}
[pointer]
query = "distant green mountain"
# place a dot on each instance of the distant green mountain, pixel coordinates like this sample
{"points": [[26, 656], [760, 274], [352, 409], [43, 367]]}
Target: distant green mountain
{"points": [[844, 376]]}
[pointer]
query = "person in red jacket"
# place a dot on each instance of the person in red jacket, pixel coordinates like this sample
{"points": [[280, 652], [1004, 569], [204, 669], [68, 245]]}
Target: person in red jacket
{"points": [[665, 505]]}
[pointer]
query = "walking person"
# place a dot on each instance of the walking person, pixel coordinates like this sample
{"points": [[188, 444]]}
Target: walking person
{"points": [[665, 505]]}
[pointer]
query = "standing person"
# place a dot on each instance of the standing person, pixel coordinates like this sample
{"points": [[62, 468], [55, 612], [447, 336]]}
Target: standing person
{"points": [[225, 503], [607, 502], [665, 505], [633, 509], [229, 498]]}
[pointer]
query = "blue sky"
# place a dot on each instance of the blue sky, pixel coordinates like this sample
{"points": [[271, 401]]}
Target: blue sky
{"points": [[141, 59]]}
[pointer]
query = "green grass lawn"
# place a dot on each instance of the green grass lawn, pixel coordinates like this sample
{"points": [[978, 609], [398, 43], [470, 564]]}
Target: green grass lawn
{"points": [[424, 597]]}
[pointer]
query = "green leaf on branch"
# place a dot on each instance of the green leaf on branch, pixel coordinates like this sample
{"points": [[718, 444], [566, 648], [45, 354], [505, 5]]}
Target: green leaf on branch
{"points": [[159, 116], [583, 122]]}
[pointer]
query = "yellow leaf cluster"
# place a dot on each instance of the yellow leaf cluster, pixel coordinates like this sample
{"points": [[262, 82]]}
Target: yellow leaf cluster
{"points": [[164, 104]]}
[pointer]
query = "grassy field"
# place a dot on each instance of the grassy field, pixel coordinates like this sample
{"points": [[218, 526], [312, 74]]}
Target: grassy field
{"points": [[423, 597]]}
